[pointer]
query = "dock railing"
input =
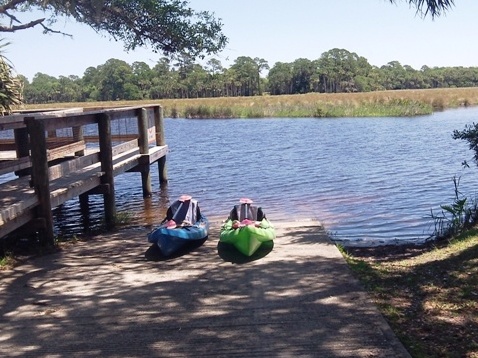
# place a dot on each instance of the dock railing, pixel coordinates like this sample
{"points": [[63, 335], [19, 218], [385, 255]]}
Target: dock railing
{"points": [[51, 157]]}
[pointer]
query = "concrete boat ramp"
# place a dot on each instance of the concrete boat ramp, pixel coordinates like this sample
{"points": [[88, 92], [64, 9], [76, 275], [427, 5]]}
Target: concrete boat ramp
{"points": [[116, 296]]}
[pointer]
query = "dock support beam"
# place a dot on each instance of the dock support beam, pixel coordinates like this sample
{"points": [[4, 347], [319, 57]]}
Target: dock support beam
{"points": [[160, 141], [106, 157], [40, 178], [22, 145], [144, 149], [78, 136]]}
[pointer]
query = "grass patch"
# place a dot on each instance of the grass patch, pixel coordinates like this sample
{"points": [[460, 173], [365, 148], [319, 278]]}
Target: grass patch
{"points": [[364, 104], [428, 294], [7, 261]]}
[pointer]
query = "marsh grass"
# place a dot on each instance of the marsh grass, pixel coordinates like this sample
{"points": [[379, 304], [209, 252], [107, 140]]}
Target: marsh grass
{"points": [[428, 294], [364, 104], [123, 218]]}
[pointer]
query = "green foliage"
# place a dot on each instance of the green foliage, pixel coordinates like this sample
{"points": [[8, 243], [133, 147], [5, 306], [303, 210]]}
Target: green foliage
{"points": [[425, 292], [6, 260], [456, 217], [167, 26], [123, 218], [470, 134], [184, 78], [10, 85]]}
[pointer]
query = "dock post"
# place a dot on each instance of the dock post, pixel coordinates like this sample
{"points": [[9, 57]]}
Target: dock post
{"points": [[144, 149], [160, 140], [22, 147], [40, 178], [78, 136], [106, 157]]}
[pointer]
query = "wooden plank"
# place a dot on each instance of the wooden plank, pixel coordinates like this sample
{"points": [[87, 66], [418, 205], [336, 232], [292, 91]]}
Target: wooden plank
{"points": [[145, 160], [123, 166], [63, 191], [122, 113], [52, 143], [7, 144], [13, 121], [73, 165], [65, 150], [124, 147], [125, 161], [16, 121], [25, 217], [16, 196], [114, 138], [14, 165], [70, 121], [158, 152], [90, 117], [152, 135]]}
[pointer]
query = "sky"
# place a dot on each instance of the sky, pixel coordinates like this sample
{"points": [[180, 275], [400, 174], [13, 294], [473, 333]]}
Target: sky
{"points": [[276, 31]]}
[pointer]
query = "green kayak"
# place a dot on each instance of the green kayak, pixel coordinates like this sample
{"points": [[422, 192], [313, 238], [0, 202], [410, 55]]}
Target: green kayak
{"points": [[247, 236]]}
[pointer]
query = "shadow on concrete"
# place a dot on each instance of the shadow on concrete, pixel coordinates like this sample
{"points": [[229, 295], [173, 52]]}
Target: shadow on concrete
{"points": [[230, 254], [153, 253], [105, 298]]}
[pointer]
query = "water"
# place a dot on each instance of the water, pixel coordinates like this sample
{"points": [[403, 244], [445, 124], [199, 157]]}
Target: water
{"points": [[367, 180]]}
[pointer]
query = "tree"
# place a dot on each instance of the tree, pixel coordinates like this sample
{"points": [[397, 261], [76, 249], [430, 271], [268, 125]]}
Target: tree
{"points": [[303, 71], [164, 81], [247, 71], [142, 75], [215, 71], [469, 134], [280, 78], [261, 65], [168, 26], [43, 89], [116, 78], [10, 85], [339, 68]]}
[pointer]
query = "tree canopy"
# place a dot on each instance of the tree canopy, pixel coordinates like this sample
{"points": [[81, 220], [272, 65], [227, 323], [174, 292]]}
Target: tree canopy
{"points": [[173, 28], [168, 26], [336, 70]]}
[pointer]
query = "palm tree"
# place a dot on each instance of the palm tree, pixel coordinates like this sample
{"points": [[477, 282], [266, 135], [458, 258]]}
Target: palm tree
{"points": [[432, 7], [10, 86]]}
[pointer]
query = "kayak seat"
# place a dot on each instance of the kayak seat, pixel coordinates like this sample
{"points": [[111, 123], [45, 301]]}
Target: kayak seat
{"points": [[246, 211]]}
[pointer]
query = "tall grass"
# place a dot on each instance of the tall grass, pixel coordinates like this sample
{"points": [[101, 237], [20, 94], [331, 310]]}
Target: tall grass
{"points": [[366, 104]]}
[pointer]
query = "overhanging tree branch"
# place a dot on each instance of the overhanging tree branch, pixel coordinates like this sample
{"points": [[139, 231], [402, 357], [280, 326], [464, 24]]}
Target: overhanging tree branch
{"points": [[167, 26], [14, 28]]}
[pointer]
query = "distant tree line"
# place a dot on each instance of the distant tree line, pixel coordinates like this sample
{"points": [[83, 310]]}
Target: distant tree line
{"points": [[337, 70]]}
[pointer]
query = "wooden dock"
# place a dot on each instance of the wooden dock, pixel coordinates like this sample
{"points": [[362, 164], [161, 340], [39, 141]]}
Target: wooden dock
{"points": [[50, 157]]}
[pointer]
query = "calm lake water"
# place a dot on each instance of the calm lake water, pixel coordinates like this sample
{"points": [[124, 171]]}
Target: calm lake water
{"points": [[367, 180]]}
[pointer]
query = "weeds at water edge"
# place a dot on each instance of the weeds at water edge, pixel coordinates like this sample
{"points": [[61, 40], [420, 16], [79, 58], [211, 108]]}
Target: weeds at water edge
{"points": [[457, 217]]}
